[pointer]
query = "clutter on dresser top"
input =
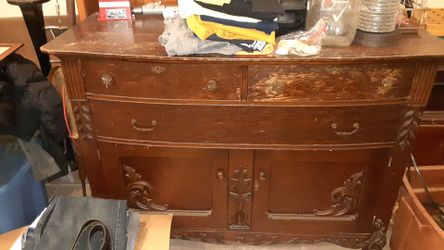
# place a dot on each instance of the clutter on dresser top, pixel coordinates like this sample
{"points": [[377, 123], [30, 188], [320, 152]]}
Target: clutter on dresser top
{"points": [[273, 28]]}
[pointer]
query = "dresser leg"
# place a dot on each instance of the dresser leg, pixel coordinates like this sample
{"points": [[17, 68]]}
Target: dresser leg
{"points": [[377, 239]]}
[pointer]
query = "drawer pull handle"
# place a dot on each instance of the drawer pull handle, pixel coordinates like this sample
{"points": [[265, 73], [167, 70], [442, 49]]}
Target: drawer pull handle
{"points": [[143, 129], [335, 126], [220, 174], [158, 69], [262, 176], [211, 85], [387, 82], [107, 80]]}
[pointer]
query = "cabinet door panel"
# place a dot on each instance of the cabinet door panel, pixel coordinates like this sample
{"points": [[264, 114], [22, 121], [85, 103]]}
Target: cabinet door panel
{"points": [[182, 183], [189, 183], [316, 191]]}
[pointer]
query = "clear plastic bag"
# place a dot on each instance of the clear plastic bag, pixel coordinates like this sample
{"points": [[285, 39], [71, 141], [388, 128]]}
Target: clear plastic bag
{"points": [[303, 43]]}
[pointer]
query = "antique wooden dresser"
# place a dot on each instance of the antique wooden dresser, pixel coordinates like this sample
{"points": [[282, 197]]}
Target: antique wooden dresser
{"points": [[245, 149]]}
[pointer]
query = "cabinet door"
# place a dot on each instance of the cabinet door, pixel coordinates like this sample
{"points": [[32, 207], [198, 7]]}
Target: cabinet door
{"points": [[189, 183], [322, 192]]}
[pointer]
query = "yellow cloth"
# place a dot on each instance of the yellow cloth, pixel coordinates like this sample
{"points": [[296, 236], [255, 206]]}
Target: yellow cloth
{"points": [[269, 48], [215, 2], [204, 29]]}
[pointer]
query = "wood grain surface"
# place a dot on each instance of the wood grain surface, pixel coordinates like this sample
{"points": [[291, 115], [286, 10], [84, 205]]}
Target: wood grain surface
{"points": [[257, 150]]}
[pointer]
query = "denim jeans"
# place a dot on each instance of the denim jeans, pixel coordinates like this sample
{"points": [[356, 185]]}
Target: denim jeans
{"points": [[77, 223]]}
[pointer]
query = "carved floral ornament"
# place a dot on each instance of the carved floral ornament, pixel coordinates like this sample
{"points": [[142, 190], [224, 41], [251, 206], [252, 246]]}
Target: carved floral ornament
{"points": [[139, 191], [344, 199], [82, 116], [375, 241], [240, 194]]}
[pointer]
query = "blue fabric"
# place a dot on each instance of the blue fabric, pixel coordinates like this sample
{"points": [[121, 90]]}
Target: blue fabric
{"points": [[21, 197], [266, 26]]}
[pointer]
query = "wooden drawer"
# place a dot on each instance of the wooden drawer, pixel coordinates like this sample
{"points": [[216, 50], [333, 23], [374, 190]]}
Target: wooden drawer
{"points": [[300, 83], [248, 125], [162, 80]]}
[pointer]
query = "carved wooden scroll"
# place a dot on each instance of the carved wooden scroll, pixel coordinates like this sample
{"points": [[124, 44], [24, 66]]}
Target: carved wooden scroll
{"points": [[344, 199], [139, 191]]}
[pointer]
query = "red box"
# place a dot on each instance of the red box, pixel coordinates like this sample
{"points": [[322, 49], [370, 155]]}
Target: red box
{"points": [[114, 10]]}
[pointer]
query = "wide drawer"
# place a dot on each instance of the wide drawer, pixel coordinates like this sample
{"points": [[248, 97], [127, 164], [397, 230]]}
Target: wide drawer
{"points": [[162, 80], [318, 83], [248, 125]]}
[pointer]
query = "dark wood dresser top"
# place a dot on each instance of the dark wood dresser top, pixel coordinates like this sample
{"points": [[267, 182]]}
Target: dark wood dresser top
{"points": [[139, 40]]}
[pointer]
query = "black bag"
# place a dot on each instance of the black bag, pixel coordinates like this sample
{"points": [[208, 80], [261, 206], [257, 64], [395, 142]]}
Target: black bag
{"points": [[7, 111], [80, 224]]}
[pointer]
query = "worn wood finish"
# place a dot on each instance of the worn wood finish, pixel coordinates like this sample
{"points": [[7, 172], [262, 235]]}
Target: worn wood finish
{"points": [[159, 80], [241, 149], [138, 40], [239, 124], [330, 82]]}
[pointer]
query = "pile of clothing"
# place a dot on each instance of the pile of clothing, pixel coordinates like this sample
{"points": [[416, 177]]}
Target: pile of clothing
{"points": [[241, 27], [31, 110]]}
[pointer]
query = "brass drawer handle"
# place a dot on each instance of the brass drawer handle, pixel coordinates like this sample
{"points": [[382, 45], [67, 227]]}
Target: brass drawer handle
{"points": [[220, 174], [212, 85], [262, 176], [158, 69], [143, 129], [107, 80], [335, 126], [387, 82]]}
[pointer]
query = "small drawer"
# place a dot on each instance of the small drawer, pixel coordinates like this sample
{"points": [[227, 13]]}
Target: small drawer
{"points": [[246, 125], [318, 83], [163, 80]]}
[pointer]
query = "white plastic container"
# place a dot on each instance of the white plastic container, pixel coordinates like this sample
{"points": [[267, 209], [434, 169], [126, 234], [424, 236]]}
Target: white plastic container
{"points": [[341, 17]]}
